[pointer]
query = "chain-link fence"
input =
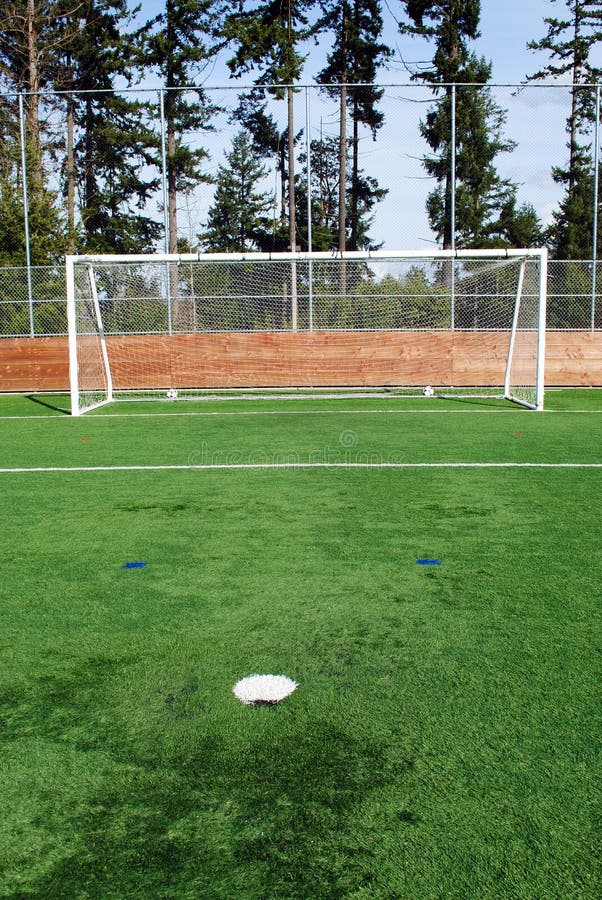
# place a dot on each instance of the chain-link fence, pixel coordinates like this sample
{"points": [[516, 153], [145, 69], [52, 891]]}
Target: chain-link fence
{"points": [[574, 295], [574, 303], [32, 301], [387, 185]]}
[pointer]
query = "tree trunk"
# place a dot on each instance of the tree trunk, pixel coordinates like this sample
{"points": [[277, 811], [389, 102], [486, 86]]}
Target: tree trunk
{"points": [[343, 130], [172, 185], [574, 106], [342, 165], [283, 178], [354, 237], [448, 224], [89, 211], [172, 191], [32, 101], [173, 312], [172, 179]]}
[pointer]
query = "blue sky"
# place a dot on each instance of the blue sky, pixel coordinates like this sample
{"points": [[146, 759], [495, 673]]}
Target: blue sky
{"points": [[507, 26]]}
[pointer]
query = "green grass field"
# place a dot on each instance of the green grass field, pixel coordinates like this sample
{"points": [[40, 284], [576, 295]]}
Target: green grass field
{"points": [[442, 741]]}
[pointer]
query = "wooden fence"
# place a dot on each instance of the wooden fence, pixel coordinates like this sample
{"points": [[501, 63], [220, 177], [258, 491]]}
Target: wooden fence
{"points": [[303, 358]]}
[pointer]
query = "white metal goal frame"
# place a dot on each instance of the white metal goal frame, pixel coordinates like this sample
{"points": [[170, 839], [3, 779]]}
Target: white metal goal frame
{"points": [[96, 327]]}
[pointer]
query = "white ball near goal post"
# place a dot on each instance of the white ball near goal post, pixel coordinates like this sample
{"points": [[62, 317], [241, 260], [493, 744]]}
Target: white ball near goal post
{"points": [[172, 394], [428, 391]]}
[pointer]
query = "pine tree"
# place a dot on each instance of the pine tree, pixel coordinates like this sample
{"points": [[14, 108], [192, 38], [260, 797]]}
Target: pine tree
{"points": [[238, 218], [325, 157], [325, 199], [355, 58], [568, 42], [519, 226], [12, 235], [27, 42], [180, 42], [23, 54], [571, 233], [67, 26], [480, 193], [265, 35], [112, 145], [270, 142]]}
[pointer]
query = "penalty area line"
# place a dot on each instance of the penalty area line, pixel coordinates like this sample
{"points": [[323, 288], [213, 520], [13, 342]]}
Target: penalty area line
{"points": [[300, 465]]}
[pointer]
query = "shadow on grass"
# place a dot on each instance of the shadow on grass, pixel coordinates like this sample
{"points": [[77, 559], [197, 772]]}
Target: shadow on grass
{"points": [[274, 816], [498, 402], [45, 401]]}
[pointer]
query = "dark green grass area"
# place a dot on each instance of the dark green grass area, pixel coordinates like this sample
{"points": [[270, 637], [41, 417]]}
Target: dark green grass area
{"points": [[442, 740]]}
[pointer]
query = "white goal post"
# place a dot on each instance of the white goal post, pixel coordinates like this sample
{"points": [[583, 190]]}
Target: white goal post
{"points": [[466, 322]]}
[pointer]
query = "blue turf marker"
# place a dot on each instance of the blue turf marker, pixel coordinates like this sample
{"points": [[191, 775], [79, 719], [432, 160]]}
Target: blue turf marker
{"points": [[428, 562], [134, 565]]}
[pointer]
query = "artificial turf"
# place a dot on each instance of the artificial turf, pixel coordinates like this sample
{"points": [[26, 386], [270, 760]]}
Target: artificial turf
{"points": [[442, 740]]}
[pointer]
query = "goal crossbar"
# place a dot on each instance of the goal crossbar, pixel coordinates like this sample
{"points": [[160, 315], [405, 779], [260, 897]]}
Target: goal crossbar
{"points": [[287, 256]]}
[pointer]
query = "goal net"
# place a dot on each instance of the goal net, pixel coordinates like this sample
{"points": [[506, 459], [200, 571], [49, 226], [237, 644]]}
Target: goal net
{"points": [[153, 326]]}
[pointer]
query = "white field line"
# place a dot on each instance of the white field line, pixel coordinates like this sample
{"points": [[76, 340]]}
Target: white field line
{"points": [[256, 412], [301, 465], [296, 412]]}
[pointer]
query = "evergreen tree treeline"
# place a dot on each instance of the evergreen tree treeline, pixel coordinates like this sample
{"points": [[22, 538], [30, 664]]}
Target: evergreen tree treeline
{"points": [[568, 42], [96, 186]]}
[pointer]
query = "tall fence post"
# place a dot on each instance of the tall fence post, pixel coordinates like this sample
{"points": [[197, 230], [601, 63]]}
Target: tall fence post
{"points": [[452, 204], [165, 203], [164, 170], [26, 211], [595, 216], [309, 203]]}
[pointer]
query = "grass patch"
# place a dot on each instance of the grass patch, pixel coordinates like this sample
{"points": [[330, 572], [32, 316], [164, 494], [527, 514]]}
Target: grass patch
{"points": [[443, 737]]}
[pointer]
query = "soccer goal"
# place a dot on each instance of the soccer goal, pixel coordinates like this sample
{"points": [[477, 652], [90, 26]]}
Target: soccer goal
{"points": [[465, 322]]}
